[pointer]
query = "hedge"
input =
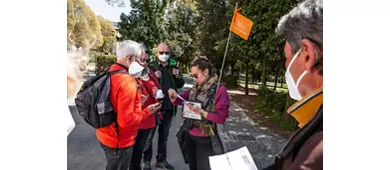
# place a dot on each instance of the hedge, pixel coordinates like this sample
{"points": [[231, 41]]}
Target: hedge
{"points": [[274, 104], [103, 62], [231, 81]]}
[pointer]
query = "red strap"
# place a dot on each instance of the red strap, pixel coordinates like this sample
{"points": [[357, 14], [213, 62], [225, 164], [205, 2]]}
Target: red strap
{"points": [[152, 75]]}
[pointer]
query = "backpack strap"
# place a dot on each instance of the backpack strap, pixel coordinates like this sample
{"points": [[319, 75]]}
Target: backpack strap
{"points": [[116, 72]]}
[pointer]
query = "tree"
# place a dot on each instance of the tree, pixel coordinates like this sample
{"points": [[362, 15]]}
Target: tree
{"points": [[83, 25], [144, 23], [263, 46], [109, 35], [213, 24], [82, 33], [95, 27], [70, 18], [181, 30]]}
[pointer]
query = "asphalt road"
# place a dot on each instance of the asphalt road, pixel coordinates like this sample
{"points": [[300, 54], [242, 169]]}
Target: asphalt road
{"points": [[85, 153]]}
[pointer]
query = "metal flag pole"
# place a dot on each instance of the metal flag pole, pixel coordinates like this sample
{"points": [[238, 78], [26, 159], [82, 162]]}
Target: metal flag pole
{"points": [[224, 57]]}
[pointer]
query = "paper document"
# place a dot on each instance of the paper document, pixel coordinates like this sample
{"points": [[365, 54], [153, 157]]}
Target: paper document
{"points": [[187, 113], [239, 159], [181, 98]]}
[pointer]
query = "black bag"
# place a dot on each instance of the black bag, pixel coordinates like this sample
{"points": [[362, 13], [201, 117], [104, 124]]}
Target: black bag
{"points": [[93, 100]]}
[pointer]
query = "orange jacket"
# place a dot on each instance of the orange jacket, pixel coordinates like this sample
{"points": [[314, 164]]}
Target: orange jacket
{"points": [[126, 99]]}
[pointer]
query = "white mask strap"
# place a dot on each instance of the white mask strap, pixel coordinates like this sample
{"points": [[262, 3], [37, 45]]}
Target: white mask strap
{"points": [[293, 59], [300, 78]]}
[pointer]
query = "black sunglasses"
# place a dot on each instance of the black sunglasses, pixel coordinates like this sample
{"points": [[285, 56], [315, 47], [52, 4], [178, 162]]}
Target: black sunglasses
{"points": [[163, 52]]}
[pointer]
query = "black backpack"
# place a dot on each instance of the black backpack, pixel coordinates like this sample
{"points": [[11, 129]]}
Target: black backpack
{"points": [[93, 100]]}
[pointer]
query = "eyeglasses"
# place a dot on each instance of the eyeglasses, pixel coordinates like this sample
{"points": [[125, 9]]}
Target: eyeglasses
{"points": [[163, 52], [195, 76]]}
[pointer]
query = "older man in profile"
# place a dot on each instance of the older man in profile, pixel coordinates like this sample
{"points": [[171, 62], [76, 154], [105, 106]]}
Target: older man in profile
{"points": [[302, 29]]}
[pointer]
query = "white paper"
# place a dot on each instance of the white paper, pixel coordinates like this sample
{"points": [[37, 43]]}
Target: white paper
{"points": [[187, 113], [219, 162], [239, 159]]}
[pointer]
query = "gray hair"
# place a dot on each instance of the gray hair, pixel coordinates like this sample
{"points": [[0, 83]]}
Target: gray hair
{"points": [[129, 47], [304, 21]]}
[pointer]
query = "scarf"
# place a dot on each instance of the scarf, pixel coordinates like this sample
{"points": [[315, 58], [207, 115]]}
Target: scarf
{"points": [[205, 94]]}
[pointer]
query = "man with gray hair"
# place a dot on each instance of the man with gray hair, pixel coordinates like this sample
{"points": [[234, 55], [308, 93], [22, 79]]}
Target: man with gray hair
{"points": [[302, 30], [125, 97]]}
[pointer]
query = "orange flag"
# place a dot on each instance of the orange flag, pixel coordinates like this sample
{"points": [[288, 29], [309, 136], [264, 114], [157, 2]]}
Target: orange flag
{"points": [[241, 25]]}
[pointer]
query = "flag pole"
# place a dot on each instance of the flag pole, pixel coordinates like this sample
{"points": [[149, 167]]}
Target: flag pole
{"points": [[224, 56]]}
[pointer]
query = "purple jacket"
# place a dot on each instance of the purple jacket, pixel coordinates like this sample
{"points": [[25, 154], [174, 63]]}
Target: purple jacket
{"points": [[222, 105]]}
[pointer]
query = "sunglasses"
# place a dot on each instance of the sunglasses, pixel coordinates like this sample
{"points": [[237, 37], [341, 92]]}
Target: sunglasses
{"points": [[144, 60], [163, 52]]}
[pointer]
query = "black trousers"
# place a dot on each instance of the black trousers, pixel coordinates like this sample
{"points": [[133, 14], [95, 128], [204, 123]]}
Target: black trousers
{"points": [[163, 133], [140, 141], [117, 159], [198, 150]]}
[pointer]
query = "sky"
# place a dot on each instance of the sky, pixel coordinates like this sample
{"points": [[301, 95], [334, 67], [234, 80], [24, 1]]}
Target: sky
{"points": [[112, 13]]}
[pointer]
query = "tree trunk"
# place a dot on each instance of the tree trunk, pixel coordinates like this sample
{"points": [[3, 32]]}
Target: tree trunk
{"points": [[276, 78], [247, 78], [253, 74], [232, 69], [264, 75]]}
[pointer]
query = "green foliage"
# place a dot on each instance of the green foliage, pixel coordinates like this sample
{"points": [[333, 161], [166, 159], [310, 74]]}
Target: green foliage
{"points": [[213, 25], [93, 56], [231, 81], [273, 104], [103, 62], [181, 31], [144, 23], [109, 35], [83, 25]]}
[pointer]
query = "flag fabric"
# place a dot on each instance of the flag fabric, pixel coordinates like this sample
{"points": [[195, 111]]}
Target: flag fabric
{"points": [[241, 25]]}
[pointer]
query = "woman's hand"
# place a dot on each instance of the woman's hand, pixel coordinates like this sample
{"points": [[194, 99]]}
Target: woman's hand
{"points": [[197, 110], [172, 95]]}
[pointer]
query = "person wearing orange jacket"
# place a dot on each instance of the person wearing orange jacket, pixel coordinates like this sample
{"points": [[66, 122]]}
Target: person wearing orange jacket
{"points": [[125, 96], [149, 86]]}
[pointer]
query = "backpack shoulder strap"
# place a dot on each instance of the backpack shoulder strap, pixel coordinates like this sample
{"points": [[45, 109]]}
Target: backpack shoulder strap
{"points": [[117, 72]]}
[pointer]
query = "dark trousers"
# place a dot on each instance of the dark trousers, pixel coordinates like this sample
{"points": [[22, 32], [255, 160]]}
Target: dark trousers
{"points": [[117, 159], [163, 133], [198, 150], [140, 141]]}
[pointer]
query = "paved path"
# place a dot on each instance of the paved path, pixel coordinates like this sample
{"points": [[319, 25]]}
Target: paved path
{"points": [[84, 152]]}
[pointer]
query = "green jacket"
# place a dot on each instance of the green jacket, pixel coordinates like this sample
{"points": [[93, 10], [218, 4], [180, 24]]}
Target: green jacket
{"points": [[177, 83]]}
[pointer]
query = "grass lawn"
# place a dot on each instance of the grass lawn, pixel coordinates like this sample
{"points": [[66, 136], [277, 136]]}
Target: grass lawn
{"points": [[269, 85]]}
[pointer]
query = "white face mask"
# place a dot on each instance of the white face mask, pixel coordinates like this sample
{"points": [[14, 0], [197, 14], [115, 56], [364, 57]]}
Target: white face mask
{"points": [[291, 85], [163, 58], [135, 69]]}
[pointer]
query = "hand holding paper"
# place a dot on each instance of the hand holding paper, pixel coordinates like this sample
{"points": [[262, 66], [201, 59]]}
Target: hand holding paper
{"points": [[193, 108], [190, 114]]}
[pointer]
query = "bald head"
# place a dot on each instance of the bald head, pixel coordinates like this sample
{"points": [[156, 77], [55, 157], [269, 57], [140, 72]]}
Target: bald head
{"points": [[163, 47], [163, 52]]}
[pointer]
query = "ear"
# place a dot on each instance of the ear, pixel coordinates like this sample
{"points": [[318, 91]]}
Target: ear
{"points": [[310, 52], [206, 72]]}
